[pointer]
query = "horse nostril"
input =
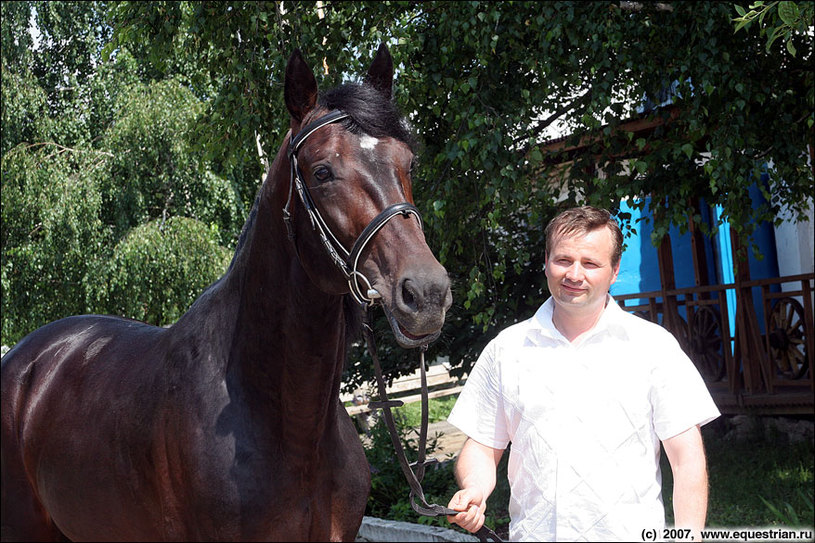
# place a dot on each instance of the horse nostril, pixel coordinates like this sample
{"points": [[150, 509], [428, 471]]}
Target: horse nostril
{"points": [[409, 296]]}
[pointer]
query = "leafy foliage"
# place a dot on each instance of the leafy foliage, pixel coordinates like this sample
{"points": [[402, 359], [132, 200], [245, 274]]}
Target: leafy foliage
{"points": [[786, 19], [389, 497], [95, 163], [51, 236], [787, 514], [159, 269], [154, 172], [486, 85]]}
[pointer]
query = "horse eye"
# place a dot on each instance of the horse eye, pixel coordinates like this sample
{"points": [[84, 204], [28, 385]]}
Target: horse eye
{"points": [[322, 174]]}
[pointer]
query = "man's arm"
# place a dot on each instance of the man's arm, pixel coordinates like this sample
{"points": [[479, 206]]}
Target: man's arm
{"points": [[686, 455], [475, 474]]}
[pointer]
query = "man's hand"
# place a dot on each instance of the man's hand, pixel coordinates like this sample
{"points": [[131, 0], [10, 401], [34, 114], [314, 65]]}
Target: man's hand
{"points": [[473, 506], [475, 473]]}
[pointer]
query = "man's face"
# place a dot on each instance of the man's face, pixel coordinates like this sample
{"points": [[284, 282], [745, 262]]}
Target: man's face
{"points": [[579, 271]]}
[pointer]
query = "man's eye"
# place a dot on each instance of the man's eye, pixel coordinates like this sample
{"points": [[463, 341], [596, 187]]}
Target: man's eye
{"points": [[322, 174]]}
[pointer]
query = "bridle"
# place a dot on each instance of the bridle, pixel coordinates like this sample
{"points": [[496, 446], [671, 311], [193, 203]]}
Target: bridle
{"points": [[347, 261]]}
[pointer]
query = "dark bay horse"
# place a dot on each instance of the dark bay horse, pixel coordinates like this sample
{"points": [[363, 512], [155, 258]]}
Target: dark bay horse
{"points": [[228, 425]]}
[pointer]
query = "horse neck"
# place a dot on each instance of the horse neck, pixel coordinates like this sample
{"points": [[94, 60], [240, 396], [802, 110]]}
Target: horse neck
{"points": [[290, 338]]}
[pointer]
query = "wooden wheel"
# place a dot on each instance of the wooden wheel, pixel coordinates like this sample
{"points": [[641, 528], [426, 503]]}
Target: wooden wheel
{"points": [[706, 343], [786, 335], [679, 328]]}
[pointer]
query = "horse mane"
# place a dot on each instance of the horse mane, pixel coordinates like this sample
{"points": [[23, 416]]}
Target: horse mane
{"points": [[371, 112]]}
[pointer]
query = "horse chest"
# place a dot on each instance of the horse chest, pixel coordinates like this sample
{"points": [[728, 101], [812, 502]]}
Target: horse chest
{"points": [[242, 491]]}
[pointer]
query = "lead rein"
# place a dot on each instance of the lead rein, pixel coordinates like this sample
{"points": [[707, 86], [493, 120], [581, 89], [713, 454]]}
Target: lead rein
{"points": [[422, 508]]}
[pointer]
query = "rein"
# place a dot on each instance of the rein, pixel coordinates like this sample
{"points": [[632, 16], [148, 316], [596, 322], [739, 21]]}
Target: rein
{"points": [[413, 478], [364, 293]]}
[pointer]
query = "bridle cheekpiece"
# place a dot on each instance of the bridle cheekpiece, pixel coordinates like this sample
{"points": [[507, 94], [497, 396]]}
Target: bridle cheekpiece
{"points": [[347, 261]]}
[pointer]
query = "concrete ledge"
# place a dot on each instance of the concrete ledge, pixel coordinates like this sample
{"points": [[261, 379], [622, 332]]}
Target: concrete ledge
{"points": [[377, 529]]}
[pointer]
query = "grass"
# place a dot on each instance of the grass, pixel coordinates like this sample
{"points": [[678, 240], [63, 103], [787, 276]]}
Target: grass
{"points": [[763, 481], [437, 410], [757, 482]]}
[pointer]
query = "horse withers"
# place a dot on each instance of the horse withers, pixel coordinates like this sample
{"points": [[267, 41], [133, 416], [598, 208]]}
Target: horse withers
{"points": [[228, 425]]}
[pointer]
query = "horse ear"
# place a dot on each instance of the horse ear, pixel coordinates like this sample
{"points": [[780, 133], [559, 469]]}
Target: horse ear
{"points": [[380, 74], [300, 89]]}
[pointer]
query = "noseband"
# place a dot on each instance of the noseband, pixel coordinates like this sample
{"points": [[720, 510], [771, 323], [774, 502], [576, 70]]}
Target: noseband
{"points": [[347, 261]]}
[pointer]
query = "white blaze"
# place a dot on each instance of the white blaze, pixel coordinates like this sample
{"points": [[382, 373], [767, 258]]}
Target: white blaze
{"points": [[367, 142]]}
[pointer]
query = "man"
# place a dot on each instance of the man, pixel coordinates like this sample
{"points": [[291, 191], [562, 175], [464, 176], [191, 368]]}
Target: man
{"points": [[585, 392]]}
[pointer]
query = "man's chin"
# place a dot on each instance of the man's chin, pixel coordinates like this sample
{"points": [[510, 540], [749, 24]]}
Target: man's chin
{"points": [[581, 302], [571, 298]]}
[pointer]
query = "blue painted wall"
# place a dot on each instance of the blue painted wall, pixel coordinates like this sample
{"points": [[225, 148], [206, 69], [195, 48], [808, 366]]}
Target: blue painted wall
{"points": [[639, 269]]}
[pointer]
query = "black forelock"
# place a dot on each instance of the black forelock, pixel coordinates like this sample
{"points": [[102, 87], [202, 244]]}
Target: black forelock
{"points": [[371, 112]]}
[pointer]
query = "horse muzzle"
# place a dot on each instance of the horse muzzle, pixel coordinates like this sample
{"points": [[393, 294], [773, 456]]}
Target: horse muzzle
{"points": [[418, 305]]}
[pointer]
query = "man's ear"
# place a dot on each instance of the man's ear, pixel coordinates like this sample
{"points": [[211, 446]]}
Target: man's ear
{"points": [[616, 272]]}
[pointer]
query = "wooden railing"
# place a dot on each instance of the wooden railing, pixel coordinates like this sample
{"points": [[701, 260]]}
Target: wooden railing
{"points": [[765, 364], [406, 389]]}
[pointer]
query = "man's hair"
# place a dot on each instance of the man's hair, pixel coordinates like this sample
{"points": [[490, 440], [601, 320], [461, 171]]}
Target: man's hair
{"points": [[581, 221]]}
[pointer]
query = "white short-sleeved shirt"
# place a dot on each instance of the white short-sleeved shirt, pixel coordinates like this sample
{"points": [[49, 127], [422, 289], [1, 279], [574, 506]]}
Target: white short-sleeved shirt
{"points": [[585, 422]]}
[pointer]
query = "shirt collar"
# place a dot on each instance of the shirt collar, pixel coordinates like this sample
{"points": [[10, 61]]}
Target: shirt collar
{"points": [[542, 329]]}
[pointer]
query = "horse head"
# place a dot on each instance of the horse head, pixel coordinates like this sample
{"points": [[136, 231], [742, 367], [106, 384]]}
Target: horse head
{"points": [[352, 222]]}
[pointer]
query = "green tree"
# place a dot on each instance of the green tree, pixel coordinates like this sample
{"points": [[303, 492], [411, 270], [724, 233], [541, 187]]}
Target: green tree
{"points": [[159, 269], [485, 82], [95, 160], [64, 64], [154, 172], [51, 236], [23, 100], [786, 19]]}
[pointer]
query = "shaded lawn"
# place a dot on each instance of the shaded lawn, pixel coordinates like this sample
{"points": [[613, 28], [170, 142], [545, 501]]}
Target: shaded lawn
{"points": [[742, 473]]}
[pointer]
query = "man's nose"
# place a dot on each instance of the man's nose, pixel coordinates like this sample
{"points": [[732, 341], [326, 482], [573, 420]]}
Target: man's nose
{"points": [[574, 272]]}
